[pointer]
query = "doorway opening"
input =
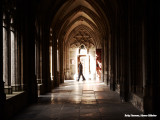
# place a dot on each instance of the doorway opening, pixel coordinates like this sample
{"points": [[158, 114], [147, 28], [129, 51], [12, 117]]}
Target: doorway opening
{"points": [[84, 57], [98, 64]]}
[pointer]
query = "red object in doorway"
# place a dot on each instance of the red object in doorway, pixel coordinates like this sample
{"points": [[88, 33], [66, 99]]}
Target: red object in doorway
{"points": [[98, 62]]}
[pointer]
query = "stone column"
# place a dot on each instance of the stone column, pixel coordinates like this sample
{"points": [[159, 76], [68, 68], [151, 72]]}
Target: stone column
{"points": [[19, 63], [50, 54], [67, 62], [53, 82], [29, 77], [37, 52], [40, 57], [113, 60], [124, 84], [105, 59], [38, 60], [64, 63], [58, 62], [61, 62], [102, 61], [18, 48], [5, 56], [109, 61], [152, 39], [45, 59], [54, 62], [116, 45], [48, 84], [118, 65], [13, 61]]}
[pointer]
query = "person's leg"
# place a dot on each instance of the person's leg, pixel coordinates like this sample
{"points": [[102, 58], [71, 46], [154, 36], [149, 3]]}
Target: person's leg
{"points": [[78, 76], [83, 77]]}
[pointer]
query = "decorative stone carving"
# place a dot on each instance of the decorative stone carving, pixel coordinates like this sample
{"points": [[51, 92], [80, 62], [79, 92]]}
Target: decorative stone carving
{"points": [[82, 37]]}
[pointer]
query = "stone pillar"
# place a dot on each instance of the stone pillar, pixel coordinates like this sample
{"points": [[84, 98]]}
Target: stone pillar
{"points": [[102, 61], [30, 83], [67, 61], [13, 61], [116, 52], [53, 82], [125, 73], [58, 62], [18, 49], [54, 62], [152, 38], [19, 63], [67, 71], [118, 65], [48, 78], [50, 57], [38, 59], [105, 59], [64, 60], [118, 57], [42, 51], [108, 60], [45, 59], [5, 55], [113, 60], [61, 63]]}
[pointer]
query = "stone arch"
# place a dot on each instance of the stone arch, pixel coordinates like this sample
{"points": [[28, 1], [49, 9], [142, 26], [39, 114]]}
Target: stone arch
{"points": [[87, 11], [89, 32]]}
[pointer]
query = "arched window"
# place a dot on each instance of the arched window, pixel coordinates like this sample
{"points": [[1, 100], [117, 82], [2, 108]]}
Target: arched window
{"points": [[82, 50], [10, 65]]}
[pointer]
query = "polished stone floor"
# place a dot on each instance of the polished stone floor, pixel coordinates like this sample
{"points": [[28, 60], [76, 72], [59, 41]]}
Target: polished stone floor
{"points": [[88, 100]]}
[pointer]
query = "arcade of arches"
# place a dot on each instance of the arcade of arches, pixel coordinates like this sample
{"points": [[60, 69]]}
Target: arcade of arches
{"points": [[42, 42]]}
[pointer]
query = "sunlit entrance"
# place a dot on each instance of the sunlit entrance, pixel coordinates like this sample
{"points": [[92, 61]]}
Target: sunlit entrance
{"points": [[81, 46], [83, 60], [88, 59]]}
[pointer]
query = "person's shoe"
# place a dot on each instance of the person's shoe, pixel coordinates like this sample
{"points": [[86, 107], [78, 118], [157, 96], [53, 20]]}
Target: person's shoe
{"points": [[78, 80], [84, 79]]}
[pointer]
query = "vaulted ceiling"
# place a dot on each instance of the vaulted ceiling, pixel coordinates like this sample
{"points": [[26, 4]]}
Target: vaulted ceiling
{"points": [[74, 16]]}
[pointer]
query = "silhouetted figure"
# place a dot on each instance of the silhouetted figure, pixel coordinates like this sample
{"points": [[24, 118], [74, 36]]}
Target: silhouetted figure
{"points": [[80, 68]]}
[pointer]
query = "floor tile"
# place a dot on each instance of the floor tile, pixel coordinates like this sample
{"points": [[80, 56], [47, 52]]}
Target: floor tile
{"points": [[89, 100]]}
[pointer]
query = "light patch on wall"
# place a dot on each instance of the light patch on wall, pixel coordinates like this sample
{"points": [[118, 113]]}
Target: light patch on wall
{"points": [[51, 75]]}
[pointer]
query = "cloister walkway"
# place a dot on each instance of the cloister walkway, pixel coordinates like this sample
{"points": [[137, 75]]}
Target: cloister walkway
{"points": [[72, 100]]}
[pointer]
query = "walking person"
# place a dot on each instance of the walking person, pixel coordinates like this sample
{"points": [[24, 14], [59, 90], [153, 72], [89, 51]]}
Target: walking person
{"points": [[80, 68]]}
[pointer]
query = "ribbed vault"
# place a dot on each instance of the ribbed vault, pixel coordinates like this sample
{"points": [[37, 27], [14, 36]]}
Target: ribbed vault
{"points": [[79, 23], [77, 13]]}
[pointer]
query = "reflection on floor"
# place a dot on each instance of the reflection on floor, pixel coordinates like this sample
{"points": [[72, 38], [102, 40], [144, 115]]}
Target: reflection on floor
{"points": [[89, 100]]}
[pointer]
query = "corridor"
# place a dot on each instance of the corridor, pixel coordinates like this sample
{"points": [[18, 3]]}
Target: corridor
{"points": [[72, 100], [42, 43]]}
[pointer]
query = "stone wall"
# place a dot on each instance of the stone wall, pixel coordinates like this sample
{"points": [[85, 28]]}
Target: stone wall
{"points": [[137, 102]]}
